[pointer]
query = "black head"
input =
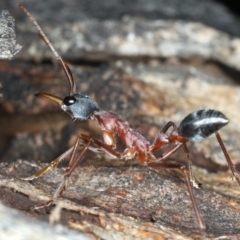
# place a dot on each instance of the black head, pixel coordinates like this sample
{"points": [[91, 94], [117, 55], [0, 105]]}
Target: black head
{"points": [[78, 106]]}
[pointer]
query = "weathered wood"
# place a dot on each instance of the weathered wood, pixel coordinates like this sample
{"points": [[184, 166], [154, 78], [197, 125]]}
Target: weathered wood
{"points": [[8, 44], [157, 199], [140, 39], [128, 33], [17, 225]]}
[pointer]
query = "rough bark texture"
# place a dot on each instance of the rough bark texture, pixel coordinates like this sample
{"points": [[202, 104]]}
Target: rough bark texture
{"points": [[158, 200], [8, 44], [147, 69], [17, 225]]}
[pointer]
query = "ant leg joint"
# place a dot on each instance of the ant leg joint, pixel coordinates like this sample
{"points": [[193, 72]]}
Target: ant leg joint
{"points": [[128, 153]]}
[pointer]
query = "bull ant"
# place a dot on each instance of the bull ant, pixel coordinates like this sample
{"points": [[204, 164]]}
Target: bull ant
{"points": [[194, 127]]}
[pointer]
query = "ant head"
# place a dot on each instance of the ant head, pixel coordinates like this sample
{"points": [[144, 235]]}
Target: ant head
{"points": [[78, 106]]}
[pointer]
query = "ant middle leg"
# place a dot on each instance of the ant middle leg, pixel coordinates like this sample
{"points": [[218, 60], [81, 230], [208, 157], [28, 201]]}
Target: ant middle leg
{"points": [[162, 139], [174, 149]]}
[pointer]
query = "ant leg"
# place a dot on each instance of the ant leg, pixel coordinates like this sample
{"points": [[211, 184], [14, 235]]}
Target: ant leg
{"points": [[201, 225], [51, 165], [186, 151], [170, 151], [71, 166], [161, 138], [99, 147], [167, 126], [68, 172], [193, 180], [88, 143], [229, 161]]}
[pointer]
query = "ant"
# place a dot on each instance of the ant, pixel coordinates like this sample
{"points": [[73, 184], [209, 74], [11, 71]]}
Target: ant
{"points": [[194, 127]]}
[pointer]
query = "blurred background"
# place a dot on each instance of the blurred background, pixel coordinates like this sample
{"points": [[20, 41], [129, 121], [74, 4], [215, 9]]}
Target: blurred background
{"points": [[149, 61]]}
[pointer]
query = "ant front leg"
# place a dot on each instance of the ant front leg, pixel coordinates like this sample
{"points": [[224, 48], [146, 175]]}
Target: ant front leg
{"points": [[50, 166], [187, 177], [87, 143], [71, 165]]}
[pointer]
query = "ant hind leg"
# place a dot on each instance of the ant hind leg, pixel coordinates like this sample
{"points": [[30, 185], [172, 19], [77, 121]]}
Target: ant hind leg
{"points": [[228, 159], [158, 165]]}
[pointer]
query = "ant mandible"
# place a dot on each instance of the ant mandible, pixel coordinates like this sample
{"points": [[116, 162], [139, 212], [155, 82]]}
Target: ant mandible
{"points": [[194, 127]]}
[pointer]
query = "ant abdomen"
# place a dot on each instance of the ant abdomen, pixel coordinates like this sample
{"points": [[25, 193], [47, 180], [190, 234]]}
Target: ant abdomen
{"points": [[202, 123]]}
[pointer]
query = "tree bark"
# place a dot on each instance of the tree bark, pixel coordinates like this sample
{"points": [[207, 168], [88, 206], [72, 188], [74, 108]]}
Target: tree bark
{"points": [[124, 202]]}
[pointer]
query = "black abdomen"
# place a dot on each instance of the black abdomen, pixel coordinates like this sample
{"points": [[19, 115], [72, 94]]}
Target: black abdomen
{"points": [[200, 124]]}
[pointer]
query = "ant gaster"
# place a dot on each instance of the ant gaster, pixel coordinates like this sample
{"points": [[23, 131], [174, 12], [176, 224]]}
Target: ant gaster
{"points": [[194, 127]]}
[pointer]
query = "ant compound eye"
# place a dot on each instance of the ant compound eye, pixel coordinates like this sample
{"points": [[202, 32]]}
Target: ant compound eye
{"points": [[69, 100]]}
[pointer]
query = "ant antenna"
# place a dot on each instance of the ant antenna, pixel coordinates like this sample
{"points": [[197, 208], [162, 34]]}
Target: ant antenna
{"points": [[46, 40]]}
